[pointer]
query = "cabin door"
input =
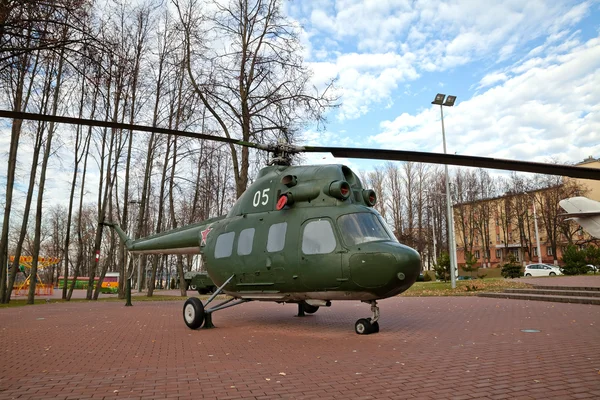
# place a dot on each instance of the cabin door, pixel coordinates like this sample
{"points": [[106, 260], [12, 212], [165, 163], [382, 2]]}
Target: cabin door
{"points": [[320, 266]]}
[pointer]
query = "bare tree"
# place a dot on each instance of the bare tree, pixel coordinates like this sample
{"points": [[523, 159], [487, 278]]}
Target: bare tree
{"points": [[256, 88]]}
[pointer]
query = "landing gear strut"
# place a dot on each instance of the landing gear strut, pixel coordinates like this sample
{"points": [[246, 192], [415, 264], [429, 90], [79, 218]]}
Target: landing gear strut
{"points": [[366, 326], [195, 313]]}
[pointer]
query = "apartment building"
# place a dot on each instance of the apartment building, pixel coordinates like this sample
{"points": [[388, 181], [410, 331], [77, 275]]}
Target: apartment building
{"points": [[490, 230]]}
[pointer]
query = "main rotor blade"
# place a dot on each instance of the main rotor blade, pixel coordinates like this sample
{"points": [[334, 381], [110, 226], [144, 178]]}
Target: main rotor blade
{"points": [[118, 125], [467, 161]]}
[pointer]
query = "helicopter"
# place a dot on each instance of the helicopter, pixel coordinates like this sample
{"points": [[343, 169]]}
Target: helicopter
{"points": [[307, 235]]}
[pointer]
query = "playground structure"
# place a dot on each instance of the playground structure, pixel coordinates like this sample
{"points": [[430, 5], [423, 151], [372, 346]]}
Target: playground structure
{"points": [[41, 288]]}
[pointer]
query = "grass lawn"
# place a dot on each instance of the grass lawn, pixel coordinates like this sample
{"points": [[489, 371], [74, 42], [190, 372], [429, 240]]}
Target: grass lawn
{"points": [[463, 288]]}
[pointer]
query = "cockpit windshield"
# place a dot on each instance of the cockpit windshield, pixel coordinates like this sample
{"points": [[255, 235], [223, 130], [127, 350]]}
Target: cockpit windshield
{"points": [[360, 228]]}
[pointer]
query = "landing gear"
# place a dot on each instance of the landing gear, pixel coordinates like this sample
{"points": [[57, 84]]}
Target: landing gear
{"points": [[309, 308], [304, 307], [366, 326], [195, 313]]}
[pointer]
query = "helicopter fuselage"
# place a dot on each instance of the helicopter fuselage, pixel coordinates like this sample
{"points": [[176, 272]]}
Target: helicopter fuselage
{"points": [[302, 233], [298, 233], [298, 255]]}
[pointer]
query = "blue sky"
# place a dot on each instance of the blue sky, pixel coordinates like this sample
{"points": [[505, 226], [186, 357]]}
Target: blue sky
{"points": [[526, 74]]}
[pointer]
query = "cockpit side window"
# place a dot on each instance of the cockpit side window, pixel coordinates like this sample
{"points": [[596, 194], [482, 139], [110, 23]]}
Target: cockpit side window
{"points": [[318, 237], [360, 228], [276, 239], [245, 241], [224, 245]]}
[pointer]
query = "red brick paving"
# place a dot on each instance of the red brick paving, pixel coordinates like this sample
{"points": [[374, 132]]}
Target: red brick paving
{"points": [[575, 281], [428, 348]]}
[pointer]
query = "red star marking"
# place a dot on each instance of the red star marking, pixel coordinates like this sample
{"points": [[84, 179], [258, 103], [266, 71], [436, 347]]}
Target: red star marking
{"points": [[205, 235]]}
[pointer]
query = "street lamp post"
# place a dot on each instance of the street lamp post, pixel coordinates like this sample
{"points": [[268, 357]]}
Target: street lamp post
{"points": [[449, 102]]}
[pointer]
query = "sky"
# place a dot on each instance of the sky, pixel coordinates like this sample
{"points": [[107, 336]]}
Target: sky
{"points": [[526, 75]]}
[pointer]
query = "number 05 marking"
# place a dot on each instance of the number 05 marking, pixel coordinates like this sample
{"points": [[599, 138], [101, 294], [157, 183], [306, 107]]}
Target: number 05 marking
{"points": [[258, 196]]}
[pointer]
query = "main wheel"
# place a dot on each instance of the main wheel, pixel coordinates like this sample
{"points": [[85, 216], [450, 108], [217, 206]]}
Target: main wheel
{"points": [[375, 325], [193, 313], [363, 326], [552, 274], [527, 274], [309, 308]]}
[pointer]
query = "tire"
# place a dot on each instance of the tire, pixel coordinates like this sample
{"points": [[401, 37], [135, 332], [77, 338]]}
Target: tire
{"points": [[527, 274], [193, 313], [309, 309], [193, 287], [363, 327], [374, 325], [552, 273]]}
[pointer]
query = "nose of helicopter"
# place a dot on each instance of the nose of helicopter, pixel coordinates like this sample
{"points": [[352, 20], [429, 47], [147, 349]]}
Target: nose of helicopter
{"points": [[386, 269], [409, 264]]}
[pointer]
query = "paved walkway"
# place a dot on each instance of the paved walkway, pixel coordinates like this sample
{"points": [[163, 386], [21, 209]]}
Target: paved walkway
{"points": [[561, 280], [428, 348]]}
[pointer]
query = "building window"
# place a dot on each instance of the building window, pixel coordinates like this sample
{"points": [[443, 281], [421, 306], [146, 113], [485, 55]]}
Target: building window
{"points": [[318, 238], [224, 245], [477, 240], [497, 237], [276, 239], [245, 242], [535, 251], [510, 236], [486, 254], [499, 254], [477, 254], [549, 251], [515, 253]]}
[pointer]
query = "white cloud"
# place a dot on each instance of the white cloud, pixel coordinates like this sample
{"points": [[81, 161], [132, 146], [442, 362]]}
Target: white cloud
{"points": [[551, 110], [426, 36]]}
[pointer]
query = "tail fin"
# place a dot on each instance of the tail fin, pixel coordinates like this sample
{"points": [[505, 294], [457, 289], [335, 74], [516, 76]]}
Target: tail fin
{"points": [[585, 212], [126, 239]]}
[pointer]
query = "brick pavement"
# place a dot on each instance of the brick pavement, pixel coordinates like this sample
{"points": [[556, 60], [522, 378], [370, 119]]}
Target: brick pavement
{"points": [[561, 280], [428, 348]]}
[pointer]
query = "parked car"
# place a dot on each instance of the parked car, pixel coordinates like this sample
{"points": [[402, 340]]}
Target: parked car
{"points": [[593, 268], [542, 270]]}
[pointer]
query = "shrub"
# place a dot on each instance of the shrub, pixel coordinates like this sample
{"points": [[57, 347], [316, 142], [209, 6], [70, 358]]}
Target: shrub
{"points": [[575, 261], [470, 264], [512, 269], [442, 268]]}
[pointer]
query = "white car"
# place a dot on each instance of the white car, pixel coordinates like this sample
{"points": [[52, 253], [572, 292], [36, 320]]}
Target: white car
{"points": [[542, 270]]}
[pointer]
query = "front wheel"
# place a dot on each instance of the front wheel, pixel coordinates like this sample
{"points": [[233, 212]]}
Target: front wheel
{"points": [[193, 313], [363, 326]]}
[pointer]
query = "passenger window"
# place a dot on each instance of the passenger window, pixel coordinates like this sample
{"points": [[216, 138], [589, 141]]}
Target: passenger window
{"points": [[224, 245], [276, 239], [245, 242], [318, 238]]}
